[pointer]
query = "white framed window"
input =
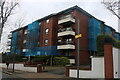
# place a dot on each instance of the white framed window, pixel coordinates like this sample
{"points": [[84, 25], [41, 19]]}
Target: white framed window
{"points": [[46, 31], [46, 42], [47, 21]]}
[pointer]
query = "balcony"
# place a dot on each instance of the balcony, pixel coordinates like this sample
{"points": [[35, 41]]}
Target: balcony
{"points": [[8, 50], [8, 47], [66, 19], [66, 45], [66, 31], [24, 41], [25, 32], [9, 36], [8, 43], [24, 50]]}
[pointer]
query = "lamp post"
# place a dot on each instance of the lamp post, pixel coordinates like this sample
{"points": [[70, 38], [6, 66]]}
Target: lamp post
{"points": [[78, 54]]}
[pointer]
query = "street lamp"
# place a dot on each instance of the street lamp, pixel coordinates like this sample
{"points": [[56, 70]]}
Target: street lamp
{"points": [[78, 36]]}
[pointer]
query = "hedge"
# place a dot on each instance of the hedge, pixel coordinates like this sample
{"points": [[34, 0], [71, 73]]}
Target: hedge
{"points": [[60, 61], [105, 39]]}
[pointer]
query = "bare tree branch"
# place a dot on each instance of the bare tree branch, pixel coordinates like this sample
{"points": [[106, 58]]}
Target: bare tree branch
{"points": [[112, 5], [7, 8]]}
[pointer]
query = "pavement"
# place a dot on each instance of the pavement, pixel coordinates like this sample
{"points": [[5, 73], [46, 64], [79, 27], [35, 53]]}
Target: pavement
{"points": [[23, 74]]}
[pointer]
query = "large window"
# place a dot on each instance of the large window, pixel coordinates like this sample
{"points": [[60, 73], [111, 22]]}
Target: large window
{"points": [[46, 42], [46, 31]]}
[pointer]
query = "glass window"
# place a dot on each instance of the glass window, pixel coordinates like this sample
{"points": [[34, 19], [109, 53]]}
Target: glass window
{"points": [[40, 23], [46, 42], [46, 31], [59, 40], [47, 21]]}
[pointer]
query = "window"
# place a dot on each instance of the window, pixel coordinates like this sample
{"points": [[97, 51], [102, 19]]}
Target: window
{"points": [[59, 40], [46, 31], [47, 21], [46, 42], [40, 23]]}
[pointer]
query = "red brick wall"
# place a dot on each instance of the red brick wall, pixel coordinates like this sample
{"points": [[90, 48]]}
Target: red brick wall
{"points": [[108, 61], [84, 54], [52, 34]]}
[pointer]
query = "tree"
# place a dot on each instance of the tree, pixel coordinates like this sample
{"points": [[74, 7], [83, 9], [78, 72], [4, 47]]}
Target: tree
{"points": [[7, 8], [113, 6]]}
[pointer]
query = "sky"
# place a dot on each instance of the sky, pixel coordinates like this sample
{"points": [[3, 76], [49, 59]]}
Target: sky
{"points": [[32, 10]]}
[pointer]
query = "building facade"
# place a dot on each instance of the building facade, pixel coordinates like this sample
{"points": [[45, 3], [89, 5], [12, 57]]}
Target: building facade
{"points": [[55, 35]]}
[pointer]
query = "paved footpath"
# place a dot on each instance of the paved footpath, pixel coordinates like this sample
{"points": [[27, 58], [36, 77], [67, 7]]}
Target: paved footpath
{"points": [[22, 74]]}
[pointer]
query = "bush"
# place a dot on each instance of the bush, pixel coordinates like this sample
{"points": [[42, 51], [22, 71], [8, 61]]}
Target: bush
{"points": [[39, 58], [60, 61], [105, 39]]}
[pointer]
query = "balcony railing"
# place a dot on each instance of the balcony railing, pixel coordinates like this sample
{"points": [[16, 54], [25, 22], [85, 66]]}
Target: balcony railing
{"points": [[25, 32], [67, 46], [64, 19]]}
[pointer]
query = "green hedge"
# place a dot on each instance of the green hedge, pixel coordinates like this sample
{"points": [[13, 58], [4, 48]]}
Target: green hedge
{"points": [[60, 61], [39, 58], [105, 39]]}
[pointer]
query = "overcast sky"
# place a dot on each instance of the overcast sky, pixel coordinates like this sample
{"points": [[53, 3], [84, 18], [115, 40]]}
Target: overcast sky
{"points": [[36, 9]]}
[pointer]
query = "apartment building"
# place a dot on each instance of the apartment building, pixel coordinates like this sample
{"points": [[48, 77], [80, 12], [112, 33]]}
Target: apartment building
{"points": [[55, 35]]}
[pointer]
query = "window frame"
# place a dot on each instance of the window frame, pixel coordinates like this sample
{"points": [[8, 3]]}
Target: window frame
{"points": [[46, 31], [46, 42]]}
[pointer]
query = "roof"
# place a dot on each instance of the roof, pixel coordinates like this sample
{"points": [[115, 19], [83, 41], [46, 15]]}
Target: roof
{"points": [[110, 27], [19, 29], [66, 10]]}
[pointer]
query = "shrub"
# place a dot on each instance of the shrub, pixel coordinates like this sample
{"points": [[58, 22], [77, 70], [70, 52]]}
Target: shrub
{"points": [[60, 61], [105, 39], [39, 58]]}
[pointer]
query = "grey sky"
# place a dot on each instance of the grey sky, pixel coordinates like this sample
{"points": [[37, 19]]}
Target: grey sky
{"points": [[36, 9]]}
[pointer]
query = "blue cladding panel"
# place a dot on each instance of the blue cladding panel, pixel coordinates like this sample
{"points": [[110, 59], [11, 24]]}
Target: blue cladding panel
{"points": [[107, 30], [33, 37], [47, 50], [15, 43], [93, 31], [116, 36]]}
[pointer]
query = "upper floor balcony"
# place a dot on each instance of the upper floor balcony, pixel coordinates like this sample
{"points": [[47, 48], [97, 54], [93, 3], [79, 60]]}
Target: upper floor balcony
{"points": [[25, 32], [66, 45], [8, 43], [66, 19], [8, 50], [9, 36], [66, 31]]}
